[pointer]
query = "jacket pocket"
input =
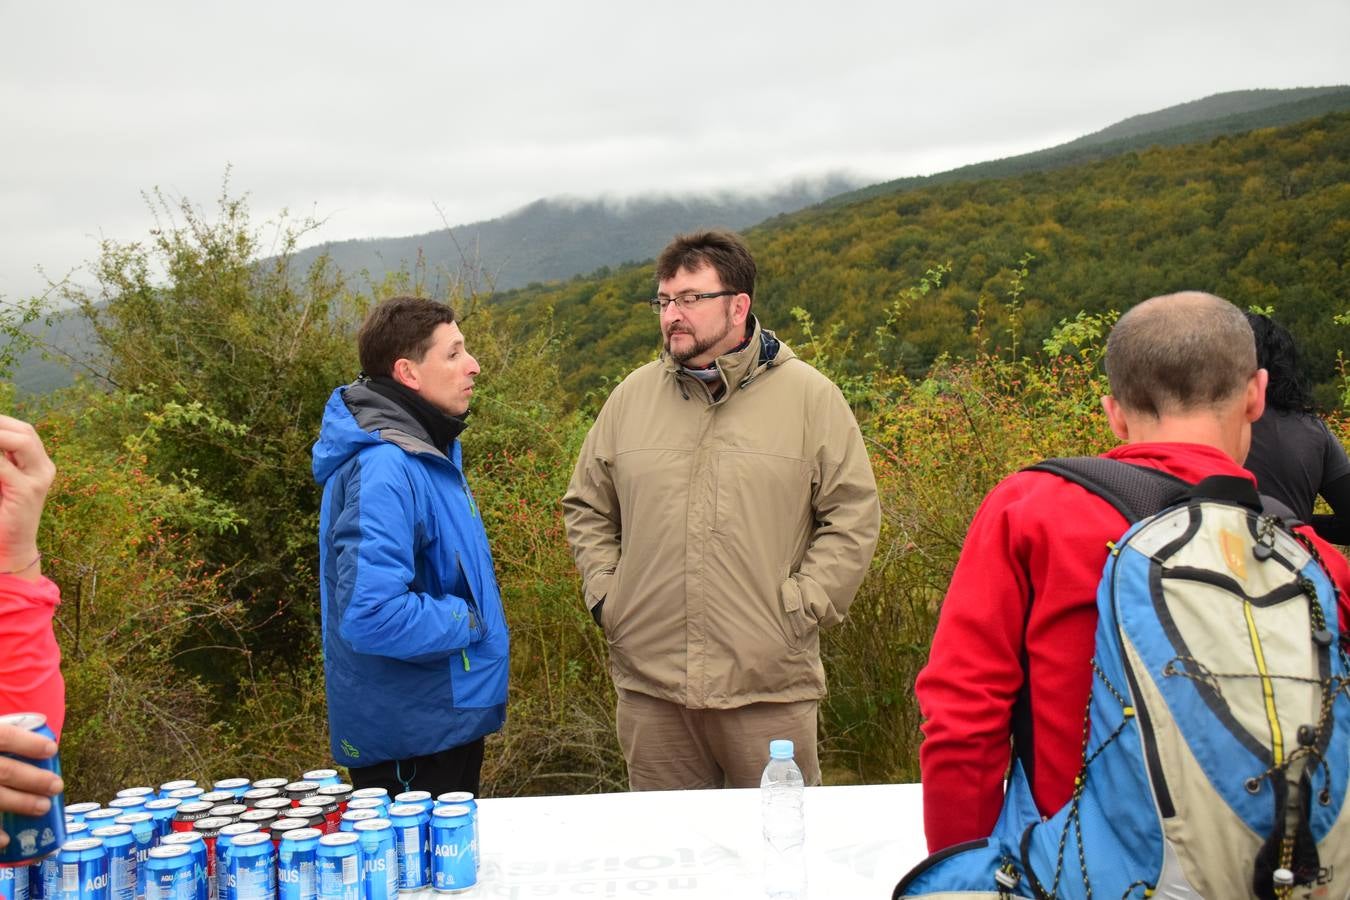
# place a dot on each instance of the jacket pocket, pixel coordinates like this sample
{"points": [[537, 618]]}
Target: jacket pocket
{"points": [[479, 672], [798, 626]]}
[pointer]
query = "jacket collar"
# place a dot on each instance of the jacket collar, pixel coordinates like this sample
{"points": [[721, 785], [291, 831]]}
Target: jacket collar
{"points": [[739, 368]]}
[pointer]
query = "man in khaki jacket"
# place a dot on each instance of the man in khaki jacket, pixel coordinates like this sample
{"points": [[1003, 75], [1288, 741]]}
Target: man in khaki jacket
{"points": [[722, 512]]}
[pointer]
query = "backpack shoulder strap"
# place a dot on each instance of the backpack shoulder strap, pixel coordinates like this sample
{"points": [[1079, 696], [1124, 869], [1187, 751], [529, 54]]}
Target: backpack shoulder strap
{"points": [[1136, 492]]}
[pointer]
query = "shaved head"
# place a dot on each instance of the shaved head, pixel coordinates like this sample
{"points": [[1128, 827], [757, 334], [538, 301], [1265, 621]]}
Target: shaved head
{"points": [[1180, 353]]}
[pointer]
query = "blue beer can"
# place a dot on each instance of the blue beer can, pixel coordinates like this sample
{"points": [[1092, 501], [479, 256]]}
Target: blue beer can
{"points": [[418, 798], [411, 842], [120, 845], [170, 873], [339, 867], [463, 798], [125, 805], [14, 882], [185, 794], [177, 784], [352, 816], [379, 859], [161, 814], [454, 852], [236, 786], [224, 844], [33, 837], [297, 864], [197, 847], [143, 829], [379, 794], [42, 878], [322, 777], [76, 812], [379, 804], [145, 793], [249, 867], [82, 870], [105, 815]]}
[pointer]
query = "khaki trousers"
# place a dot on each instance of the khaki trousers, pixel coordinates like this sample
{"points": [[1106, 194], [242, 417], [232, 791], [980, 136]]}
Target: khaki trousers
{"points": [[669, 747]]}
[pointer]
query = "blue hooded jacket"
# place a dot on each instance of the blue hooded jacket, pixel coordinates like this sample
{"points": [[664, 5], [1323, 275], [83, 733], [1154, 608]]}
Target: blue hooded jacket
{"points": [[415, 642]]}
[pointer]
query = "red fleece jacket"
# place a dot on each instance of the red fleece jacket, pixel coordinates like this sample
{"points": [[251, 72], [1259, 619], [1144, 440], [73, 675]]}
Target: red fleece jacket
{"points": [[30, 660], [1035, 534]]}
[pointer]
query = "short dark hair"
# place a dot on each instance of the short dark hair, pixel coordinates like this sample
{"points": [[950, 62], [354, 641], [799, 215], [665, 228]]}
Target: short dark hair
{"points": [[1287, 389], [722, 250], [1179, 352], [399, 328]]}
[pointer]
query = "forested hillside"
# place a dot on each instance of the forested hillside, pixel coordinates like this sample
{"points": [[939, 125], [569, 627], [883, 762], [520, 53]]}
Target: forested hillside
{"points": [[1261, 218]]}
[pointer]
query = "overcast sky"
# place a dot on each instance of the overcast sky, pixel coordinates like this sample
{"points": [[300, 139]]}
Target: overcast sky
{"points": [[371, 115]]}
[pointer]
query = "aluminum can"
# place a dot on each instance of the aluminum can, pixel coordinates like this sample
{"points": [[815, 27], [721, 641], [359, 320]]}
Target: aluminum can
{"points": [[366, 793], [188, 814], [463, 798], [127, 804], [170, 873], [326, 807], [260, 817], [76, 812], [420, 798], [14, 882], [104, 816], [352, 816], [209, 829], [322, 777], [231, 811], [145, 793], [454, 852], [313, 818], [379, 804], [120, 846], [33, 837], [177, 784], [224, 844], [161, 813], [82, 865], [251, 796], [339, 867], [282, 805], [411, 841], [197, 846], [186, 794], [235, 786], [43, 876], [297, 862], [279, 827], [339, 793], [297, 789], [248, 870], [215, 798], [379, 859], [271, 782]]}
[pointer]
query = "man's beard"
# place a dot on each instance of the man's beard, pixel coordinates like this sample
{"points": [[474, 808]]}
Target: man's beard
{"points": [[699, 347]]}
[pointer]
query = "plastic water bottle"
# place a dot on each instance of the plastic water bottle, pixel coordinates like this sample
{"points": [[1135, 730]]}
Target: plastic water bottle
{"points": [[781, 789]]}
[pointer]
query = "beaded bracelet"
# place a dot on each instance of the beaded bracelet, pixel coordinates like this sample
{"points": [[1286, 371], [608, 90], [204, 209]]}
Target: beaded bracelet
{"points": [[37, 559]]}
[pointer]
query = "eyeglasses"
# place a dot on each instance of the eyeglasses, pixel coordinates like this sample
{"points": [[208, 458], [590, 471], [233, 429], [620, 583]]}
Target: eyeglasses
{"points": [[685, 301]]}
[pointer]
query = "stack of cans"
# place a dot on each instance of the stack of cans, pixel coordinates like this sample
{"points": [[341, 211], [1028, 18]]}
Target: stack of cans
{"points": [[270, 839]]}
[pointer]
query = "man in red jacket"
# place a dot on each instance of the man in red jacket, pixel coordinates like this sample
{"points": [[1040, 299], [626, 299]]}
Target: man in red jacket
{"points": [[30, 661], [1184, 391]]}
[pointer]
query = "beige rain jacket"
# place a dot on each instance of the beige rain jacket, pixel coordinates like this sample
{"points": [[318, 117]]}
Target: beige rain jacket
{"points": [[723, 535]]}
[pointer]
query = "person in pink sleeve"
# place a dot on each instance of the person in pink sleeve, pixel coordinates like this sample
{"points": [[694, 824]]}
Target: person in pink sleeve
{"points": [[30, 660]]}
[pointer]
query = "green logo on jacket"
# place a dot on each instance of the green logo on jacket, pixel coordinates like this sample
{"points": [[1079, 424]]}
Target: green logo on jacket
{"points": [[350, 750]]}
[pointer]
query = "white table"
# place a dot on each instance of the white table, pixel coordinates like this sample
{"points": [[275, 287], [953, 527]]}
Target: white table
{"points": [[692, 844]]}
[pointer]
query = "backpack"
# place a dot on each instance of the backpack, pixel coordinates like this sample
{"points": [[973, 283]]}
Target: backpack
{"points": [[1217, 745]]}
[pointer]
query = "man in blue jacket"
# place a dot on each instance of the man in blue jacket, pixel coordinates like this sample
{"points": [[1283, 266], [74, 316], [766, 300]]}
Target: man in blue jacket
{"points": [[415, 642]]}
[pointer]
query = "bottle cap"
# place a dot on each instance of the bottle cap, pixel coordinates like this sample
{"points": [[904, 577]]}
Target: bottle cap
{"points": [[780, 749]]}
